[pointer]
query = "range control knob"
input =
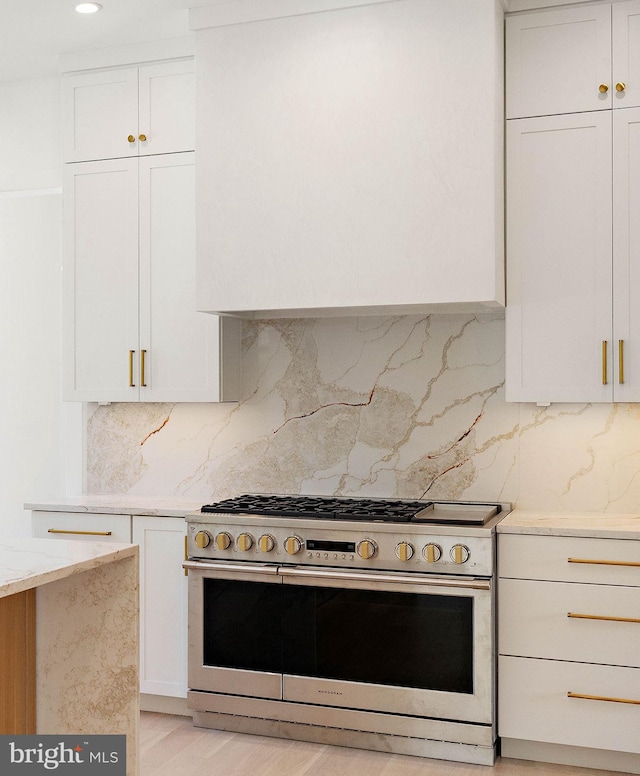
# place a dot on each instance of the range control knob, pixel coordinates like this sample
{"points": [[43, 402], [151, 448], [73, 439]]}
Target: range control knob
{"points": [[367, 548], [266, 543], [432, 552], [223, 540], [404, 551], [244, 542], [459, 553], [203, 539], [293, 545]]}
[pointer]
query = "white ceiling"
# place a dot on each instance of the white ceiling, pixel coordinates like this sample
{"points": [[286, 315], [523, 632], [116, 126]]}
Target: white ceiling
{"points": [[33, 33]]}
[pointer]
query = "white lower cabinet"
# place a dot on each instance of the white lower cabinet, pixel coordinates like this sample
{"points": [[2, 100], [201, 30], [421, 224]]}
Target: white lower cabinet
{"points": [[568, 634], [163, 605], [163, 586]]}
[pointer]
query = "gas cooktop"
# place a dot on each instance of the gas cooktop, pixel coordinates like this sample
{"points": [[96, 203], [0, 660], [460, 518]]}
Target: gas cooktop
{"points": [[358, 509]]}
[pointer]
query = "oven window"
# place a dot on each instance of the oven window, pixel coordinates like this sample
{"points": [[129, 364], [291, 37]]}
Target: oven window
{"points": [[242, 625], [401, 639]]}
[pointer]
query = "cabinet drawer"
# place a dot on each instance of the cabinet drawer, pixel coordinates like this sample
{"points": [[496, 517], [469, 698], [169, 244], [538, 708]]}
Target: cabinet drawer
{"points": [[80, 525], [533, 621], [570, 559], [533, 703]]}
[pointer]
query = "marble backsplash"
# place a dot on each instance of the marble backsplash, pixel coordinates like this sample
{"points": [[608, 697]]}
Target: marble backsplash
{"points": [[403, 406]]}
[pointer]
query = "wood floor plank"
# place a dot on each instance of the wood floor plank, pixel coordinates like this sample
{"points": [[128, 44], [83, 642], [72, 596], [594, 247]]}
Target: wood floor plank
{"points": [[171, 746]]}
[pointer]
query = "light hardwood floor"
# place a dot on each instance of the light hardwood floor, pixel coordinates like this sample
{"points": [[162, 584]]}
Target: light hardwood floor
{"points": [[171, 746]]}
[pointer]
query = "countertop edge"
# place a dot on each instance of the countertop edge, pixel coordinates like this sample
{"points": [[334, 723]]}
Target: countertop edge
{"points": [[586, 525], [54, 561]]}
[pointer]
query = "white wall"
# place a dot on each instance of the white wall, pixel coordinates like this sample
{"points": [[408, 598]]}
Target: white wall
{"points": [[34, 423]]}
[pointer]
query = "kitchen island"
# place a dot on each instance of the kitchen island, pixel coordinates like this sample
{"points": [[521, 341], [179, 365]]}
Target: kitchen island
{"points": [[69, 647]]}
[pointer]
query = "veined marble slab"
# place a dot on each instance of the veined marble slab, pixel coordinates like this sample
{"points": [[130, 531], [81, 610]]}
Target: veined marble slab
{"points": [[118, 505], [587, 524], [29, 563]]}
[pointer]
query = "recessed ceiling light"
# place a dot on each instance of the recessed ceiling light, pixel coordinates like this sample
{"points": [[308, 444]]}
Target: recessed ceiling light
{"points": [[88, 7]]}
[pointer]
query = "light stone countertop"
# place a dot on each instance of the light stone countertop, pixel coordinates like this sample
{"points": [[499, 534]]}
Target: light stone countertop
{"points": [[118, 505], [585, 524], [29, 563]]}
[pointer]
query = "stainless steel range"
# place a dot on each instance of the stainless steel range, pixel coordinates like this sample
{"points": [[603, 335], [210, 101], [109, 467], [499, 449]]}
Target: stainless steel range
{"points": [[351, 621]]}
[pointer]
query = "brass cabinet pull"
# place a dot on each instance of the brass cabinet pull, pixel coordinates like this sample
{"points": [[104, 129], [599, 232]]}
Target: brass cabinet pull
{"points": [[186, 557], [603, 88], [621, 361], [620, 86], [79, 533], [142, 379], [604, 362], [574, 615], [131, 139], [142, 138], [131, 383], [602, 698], [604, 562]]}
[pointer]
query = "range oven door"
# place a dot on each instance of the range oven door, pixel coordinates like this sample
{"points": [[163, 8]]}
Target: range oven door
{"points": [[398, 643], [408, 644], [235, 629]]}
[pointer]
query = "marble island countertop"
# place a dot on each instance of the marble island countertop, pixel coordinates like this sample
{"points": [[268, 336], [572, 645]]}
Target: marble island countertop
{"points": [[27, 563], [585, 524]]}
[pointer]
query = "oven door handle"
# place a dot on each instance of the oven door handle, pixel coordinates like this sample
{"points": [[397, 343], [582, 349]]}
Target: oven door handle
{"points": [[308, 576], [223, 566]]}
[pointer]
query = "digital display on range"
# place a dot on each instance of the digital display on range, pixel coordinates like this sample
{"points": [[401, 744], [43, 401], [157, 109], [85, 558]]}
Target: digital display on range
{"points": [[317, 544]]}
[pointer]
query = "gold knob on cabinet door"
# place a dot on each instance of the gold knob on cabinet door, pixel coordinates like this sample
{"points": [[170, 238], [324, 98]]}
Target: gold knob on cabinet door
{"points": [[603, 88], [203, 539], [245, 542], [223, 540], [142, 138], [620, 87], [131, 138], [266, 543]]}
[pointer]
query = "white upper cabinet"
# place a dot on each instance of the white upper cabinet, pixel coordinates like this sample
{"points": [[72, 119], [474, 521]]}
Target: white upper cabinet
{"points": [[573, 246], [350, 161], [573, 59], [131, 330], [559, 258], [129, 112]]}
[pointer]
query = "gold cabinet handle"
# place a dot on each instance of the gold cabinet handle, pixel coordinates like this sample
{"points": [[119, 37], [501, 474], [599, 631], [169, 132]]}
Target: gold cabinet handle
{"points": [[79, 533], [621, 362], [142, 138], [131, 383], [608, 618], [186, 557], [604, 362], [602, 698], [603, 88], [131, 139], [142, 378], [620, 86], [604, 562]]}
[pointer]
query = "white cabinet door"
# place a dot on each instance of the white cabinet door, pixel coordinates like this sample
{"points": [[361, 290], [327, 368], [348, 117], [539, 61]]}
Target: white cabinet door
{"points": [[167, 107], [181, 347], [100, 114], [626, 253], [556, 61], [559, 245], [163, 605], [129, 112], [626, 54], [100, 279]]}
